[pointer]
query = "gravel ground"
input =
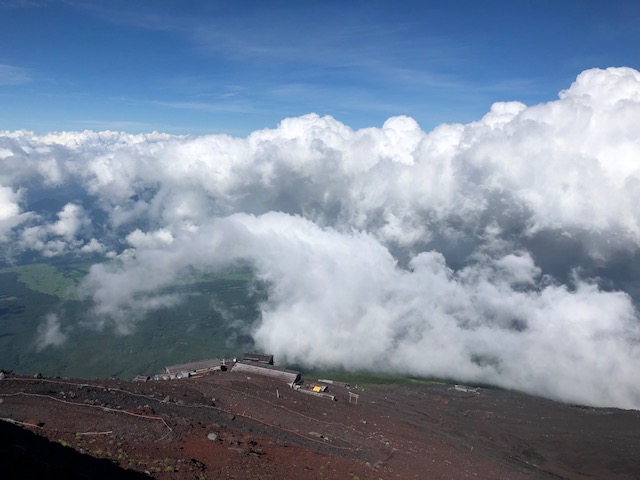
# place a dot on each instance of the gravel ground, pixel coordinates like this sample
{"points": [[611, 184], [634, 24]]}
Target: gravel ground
{"points": [[227, 425]]}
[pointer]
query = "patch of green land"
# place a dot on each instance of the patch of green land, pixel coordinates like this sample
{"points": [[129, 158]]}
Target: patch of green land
{"points": [[48, 279], [213, 320]]}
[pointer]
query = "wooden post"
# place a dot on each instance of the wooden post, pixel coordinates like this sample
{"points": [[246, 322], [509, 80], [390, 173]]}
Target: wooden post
{"points": [[277, 393]]}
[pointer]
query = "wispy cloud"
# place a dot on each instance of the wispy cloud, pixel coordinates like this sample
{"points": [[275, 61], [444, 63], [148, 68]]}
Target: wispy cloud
{"points": [[219, 107], [50, 333], [24, 3], [11, 75], [124, 125]]}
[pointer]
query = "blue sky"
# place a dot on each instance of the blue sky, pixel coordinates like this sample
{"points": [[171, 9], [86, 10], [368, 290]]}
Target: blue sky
{"points": [[209, 67]]}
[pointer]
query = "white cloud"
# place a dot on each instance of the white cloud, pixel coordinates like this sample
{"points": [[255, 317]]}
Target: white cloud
{"points": [[60, 237], [139, 239], [9, 208], [340, 300], [10, 212], [49, 333], [93, 246], [497, 251], [72, 219]]}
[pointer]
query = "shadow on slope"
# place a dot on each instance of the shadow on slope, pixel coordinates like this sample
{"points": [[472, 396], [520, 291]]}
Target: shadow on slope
{"points": [[25, 455]]}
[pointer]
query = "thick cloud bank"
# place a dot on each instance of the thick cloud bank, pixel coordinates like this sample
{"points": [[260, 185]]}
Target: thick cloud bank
{"points": [[501, 251]]}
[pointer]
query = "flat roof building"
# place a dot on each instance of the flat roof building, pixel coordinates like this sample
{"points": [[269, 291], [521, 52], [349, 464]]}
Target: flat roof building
{"points": [[266, 358], [195, 368], [257, 368]]}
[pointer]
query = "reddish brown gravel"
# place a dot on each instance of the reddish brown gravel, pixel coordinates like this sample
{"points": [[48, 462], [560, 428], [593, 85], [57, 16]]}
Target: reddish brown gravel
{"points": [[229, 426]]}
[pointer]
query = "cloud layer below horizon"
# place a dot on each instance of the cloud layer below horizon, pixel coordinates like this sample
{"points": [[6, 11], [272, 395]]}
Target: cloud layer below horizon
{"points": [[502, 251]]}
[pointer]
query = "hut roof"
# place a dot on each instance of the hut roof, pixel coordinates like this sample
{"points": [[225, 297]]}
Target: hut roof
{"points": [[265, 369], [194, 366], [258, 357]]}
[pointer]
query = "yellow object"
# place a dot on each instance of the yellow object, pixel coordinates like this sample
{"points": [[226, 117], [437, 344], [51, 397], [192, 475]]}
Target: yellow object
{"points": [[317, 389]]}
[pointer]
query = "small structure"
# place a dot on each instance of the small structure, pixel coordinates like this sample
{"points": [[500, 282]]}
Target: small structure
{"points": [[466, 389], [265, 358], [191, 369], [142, 378], [335, 383], [353, 397], [289, 376], [315, 393]]}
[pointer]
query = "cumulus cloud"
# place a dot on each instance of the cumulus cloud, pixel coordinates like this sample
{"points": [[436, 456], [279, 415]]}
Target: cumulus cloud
{"points": [[62, 236], [342, 300], [504, 250], [10, 212]]}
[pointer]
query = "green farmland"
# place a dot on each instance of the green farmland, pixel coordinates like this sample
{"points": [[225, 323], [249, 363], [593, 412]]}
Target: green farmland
{"points": [[214, 319]]}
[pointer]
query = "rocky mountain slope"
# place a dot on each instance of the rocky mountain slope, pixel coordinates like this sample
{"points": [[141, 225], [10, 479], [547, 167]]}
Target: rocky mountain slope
{"points": [[229, 425]]}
